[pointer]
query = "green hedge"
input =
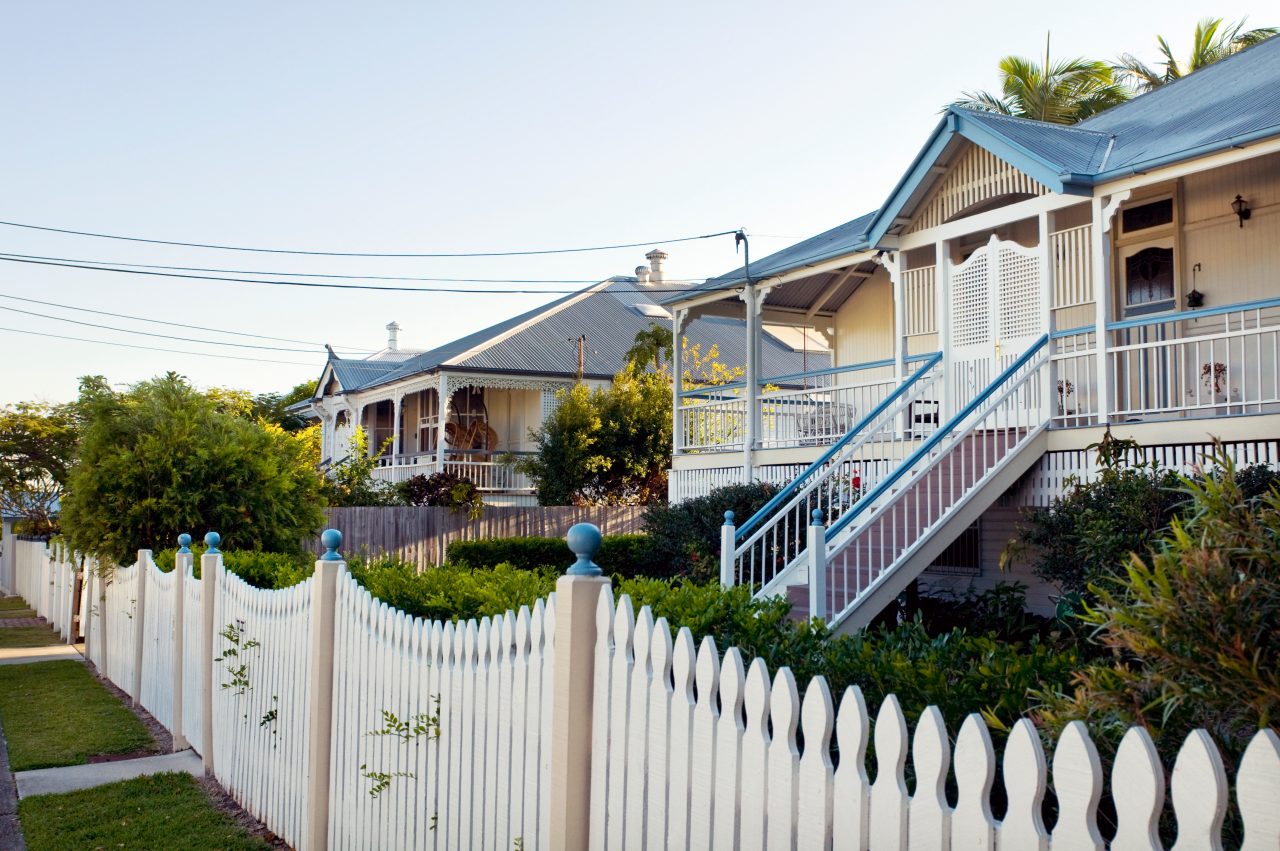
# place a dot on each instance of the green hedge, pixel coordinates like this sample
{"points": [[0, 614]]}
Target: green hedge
{"points": [[259, 569], [620, 555]]}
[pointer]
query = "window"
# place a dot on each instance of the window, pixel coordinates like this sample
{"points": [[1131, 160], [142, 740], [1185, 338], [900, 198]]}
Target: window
{"points": [[1147, 216], [1148, 280]]}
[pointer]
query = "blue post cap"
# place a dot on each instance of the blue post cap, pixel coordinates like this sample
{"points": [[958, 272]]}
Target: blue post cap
{"points": [[817, 517], [211, 541], [331, 539], [584, 541], [728, 518], [184, 543]]}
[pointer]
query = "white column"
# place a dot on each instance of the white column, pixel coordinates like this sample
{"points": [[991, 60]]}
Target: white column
{"points": [[1047, 397], [1102, 303], [139, 624], [942, 304], [677, 380], [728, 545], [181, 564], [573, 691], [210, 567], [816, 547], [442, 408], [751, 423], [324, 589], [397, 405]]}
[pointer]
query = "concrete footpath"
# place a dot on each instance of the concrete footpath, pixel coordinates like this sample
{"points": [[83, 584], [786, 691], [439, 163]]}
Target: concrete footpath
{"points": [[45, 781], [51, 653]]}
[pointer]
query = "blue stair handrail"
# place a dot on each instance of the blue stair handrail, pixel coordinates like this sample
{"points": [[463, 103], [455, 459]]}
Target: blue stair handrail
{"points": [[937, 437], [798, 482]]}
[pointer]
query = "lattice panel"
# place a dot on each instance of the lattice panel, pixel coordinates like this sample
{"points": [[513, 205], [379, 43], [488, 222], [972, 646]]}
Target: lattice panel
{"points": [[919, 289], [1020, 309], [551, 400], [970, 301], [975, 176]]}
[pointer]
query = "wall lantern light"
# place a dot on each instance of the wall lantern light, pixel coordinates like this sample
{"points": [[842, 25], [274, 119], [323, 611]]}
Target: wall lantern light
{"points": [[1241, 208]]}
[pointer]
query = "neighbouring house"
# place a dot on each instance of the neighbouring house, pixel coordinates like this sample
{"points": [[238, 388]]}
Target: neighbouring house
{"points": [[470, 404], [1023, 288]]}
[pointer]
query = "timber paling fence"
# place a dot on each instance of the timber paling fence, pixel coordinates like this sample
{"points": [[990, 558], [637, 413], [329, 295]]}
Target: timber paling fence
{"points": [[421, 535], [578, 723]]}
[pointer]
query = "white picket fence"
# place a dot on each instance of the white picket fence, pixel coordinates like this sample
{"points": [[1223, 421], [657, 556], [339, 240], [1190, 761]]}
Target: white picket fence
{"points": [[45, 578], [586, 725]]}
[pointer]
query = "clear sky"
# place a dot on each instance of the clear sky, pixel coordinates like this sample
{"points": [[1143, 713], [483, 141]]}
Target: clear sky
{"points": [[428, 127]]}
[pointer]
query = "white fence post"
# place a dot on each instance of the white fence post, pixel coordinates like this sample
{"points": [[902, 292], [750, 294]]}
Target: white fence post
{"points": [[728, 542], [139, 624], [573, 690], [181, 561], [8, 558], [817, 548], [324, 590], [210, 565]]}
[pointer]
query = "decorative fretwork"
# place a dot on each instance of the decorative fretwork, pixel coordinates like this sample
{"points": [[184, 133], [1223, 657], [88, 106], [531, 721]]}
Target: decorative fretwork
{"points": [[918, 288], [976, 175]]}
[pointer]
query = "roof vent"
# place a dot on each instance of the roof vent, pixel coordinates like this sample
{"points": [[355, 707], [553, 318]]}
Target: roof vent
{"points": [[393, 337], [642, 274], [655, 258]]}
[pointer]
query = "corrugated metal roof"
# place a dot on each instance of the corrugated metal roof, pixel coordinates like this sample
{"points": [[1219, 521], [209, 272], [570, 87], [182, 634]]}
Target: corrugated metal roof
{"points": [[610, 318], [1233, 99]]}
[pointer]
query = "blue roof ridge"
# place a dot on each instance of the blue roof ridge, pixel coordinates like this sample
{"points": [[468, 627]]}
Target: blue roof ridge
{"points": [[1032, 122]]}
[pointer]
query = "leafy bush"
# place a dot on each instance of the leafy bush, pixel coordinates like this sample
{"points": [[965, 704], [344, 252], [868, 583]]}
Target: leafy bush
{"points": [[351, 481], [620, 555], [1193, 631], [452, 593], [259, 569], [1000, 610], [684, 539], [161, 457], [445, 488]]}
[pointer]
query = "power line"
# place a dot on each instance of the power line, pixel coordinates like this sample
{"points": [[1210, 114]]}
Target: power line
{"points": [[151, 348], [331, 275], [525, 253], [317, 285], [171, 323], [151, 333]]}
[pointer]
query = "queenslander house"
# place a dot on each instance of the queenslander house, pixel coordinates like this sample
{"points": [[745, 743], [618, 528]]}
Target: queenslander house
{"points": [[1025, 288], [468, 406]]}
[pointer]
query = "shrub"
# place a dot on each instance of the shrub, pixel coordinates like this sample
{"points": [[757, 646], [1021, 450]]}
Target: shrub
{"points": [[161, 457], [451, 592], [259, 569], [1193, 630], [622, 555], [445, 488], [684, 539]]}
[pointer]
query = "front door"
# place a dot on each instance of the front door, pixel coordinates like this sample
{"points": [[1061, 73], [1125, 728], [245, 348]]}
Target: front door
{"points": [[997, 313], [1145, 378]]}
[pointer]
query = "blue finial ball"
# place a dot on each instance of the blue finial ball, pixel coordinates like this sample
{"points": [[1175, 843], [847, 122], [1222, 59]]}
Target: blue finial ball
{"points": [[331, 539], [817, 517], [211, 541], [584, 541], [728, 518], [184, 543]]}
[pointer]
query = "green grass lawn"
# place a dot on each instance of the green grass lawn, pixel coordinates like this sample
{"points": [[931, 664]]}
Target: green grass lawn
{"points": [[15, 607], [56, 713], [28, 636], [164, 811]]}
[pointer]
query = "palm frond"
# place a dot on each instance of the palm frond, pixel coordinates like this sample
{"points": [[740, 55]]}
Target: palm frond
{"points": [[982, 102]]}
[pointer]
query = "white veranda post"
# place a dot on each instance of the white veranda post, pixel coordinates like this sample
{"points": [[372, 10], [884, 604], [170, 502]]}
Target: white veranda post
{"points": [[442, 408]]}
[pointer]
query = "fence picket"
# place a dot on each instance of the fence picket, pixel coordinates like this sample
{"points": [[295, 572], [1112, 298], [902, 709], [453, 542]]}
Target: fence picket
{"points": [[972, 826], [784, 760], [1256, 790], [637, 766], [851, 794], [619, 709], [601, 715], [1199, 792], [754, 810], [816, 777], [681, 751], [705, 768], [730, 730], [1025, 774], [929, 815], [1077, 782], [1137, 787], [889, 791], [659, 735]]}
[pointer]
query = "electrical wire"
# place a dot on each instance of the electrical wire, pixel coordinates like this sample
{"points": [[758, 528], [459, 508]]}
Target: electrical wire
{"points": [[151, 348], [330, 275], [152, 333], [171, 323], [457, 254], [318, 285]]}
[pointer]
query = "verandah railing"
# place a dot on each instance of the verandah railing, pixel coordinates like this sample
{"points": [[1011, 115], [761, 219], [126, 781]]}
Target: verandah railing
{"points": [[579, 723], [489, 471]]}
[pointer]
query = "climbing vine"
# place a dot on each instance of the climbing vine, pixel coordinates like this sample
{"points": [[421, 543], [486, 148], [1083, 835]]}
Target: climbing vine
{"points": [[414, 729]]}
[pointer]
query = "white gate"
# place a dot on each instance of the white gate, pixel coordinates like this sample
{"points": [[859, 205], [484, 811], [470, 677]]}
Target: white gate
{"points": [[998, 312]]}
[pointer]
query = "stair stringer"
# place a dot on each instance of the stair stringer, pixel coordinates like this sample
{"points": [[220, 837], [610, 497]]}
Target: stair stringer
{"points": [[961, 516]]}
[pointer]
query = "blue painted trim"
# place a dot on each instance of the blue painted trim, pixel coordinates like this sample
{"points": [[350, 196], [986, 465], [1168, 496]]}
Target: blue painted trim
{"points": [[1071, 332], [813, 373], [918, 358], [1165, 318], [795, 484], [1189, 153], [936, 438], [711, 391]]}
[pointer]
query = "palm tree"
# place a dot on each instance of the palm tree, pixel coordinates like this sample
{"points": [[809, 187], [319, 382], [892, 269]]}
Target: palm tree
{"points": [[1213, 41], [1061, 92]]}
